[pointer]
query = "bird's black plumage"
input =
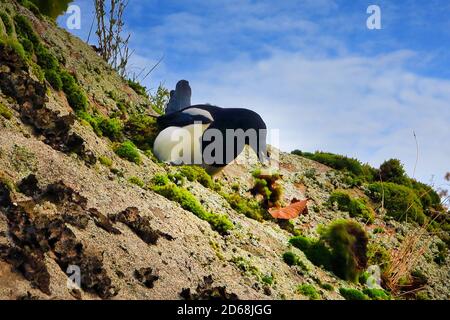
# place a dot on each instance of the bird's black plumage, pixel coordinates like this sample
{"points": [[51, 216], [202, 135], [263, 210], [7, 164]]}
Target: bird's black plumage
{"points": [[220, 120]]}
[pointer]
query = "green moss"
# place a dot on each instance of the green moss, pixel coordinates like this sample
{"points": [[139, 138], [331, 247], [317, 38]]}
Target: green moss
{"points": [[315, 250], [169, 190], [5, 112], [14, 45], [75, 95], [377, 294], [9, 28], [54, 79], [356, 207], [441, 255], [400, 202], [378, 230], [196, 173], [136, 181], [353, 294], [309, 291], [107, 162], [30, 5], [128, 151], [348, 243], [268, 279]]}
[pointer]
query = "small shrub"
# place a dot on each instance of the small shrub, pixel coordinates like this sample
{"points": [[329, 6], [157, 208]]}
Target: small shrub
{"points": [[353, 294], [400, 202], [14, 45], [392, 171], [309, 291], [112, 128], [290, 258], [107, 162], [355, 207], [137, 87], [348, 243], [136, 181], [128, 151], [5, 112], [196, 173], [334, 161], [377, 294], [141, 130]]}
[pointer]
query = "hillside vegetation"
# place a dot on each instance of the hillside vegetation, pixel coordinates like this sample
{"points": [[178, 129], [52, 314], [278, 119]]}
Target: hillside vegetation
{"points": [[80, 186]]}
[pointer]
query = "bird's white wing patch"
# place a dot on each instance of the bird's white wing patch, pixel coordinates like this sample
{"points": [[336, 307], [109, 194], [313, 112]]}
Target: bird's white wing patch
{"points": [[180, 145], [198, 111]]}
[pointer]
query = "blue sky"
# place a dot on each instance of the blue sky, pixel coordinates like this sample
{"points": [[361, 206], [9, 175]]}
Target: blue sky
{"points": [[311, 68]]}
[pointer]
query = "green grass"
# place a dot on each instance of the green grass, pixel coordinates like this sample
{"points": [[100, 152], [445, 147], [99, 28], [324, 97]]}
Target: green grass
{"points": [[377, 294], [163, 186], [309, 291], [356, 207], [400, 201], [128, 151]]}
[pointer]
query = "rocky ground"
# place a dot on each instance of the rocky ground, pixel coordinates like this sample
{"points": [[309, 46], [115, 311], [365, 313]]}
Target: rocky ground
{"points": [[60, 206]]}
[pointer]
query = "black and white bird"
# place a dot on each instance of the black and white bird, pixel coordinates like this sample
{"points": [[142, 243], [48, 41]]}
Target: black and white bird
{"points": [[209, 136]]}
